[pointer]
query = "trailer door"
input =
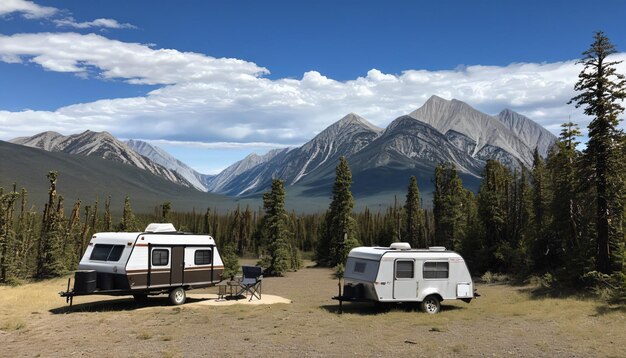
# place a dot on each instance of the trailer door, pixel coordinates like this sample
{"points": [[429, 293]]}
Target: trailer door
{"points": [[178, 265], [404, 280]]}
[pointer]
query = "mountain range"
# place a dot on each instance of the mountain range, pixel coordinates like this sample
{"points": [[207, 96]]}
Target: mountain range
{"points": [[381, 160]]}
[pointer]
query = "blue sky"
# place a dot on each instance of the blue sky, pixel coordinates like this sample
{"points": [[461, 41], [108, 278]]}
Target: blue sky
{"points": [[212, 81]]}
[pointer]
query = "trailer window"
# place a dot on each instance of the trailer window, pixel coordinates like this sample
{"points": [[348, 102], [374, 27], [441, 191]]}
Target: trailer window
{"points": [[436, 270], [160, 257], [104, 252], [202, 257], [405, 269], [359, 266]]}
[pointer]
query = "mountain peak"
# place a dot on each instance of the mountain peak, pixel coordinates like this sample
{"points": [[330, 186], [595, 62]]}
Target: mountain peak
{"points": [[529, 131], [434, 98], [353, 119]]}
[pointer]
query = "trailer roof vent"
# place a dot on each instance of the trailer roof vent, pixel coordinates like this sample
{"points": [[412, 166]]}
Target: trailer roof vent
{"points": [[436, 248], [400, 246], [155, 227]]}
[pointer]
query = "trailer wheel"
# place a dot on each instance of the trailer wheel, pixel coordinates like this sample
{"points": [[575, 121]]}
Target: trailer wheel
{"points": [[431, 304], [140, 297], [177, 296]]}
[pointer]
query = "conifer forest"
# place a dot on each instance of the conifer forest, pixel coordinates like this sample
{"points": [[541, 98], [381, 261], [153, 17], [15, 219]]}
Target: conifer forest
{"points": [[561, 220]]}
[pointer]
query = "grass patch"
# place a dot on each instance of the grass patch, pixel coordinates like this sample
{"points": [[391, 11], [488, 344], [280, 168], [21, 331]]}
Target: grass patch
{"points": [[505, 316], [144, 336], [14, 324]]}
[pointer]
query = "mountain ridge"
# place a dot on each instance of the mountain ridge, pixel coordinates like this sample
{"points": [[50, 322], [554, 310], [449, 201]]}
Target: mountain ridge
{"points": [[98, 144]]}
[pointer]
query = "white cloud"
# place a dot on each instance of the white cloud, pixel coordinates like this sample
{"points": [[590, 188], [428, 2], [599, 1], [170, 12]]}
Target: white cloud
{"points": [[28, 9], [105, 23], [135, 63], [222, 100], [214, 145]]}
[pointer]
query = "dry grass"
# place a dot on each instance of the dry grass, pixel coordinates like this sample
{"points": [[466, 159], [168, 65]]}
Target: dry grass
{"points": [[506, 320]]}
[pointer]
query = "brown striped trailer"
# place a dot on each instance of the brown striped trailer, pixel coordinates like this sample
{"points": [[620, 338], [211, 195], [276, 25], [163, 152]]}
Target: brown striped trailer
{"points": [[156, 261]]}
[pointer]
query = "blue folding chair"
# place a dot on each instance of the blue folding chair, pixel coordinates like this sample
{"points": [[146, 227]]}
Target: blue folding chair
{"points": [[251, 281]]}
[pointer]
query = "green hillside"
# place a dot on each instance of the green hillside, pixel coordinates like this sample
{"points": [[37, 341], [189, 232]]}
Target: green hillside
{"points": [[89, 178]]}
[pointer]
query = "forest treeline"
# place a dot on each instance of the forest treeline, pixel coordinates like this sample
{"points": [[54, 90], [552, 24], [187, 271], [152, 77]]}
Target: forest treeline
{"points": [[563, 219]]}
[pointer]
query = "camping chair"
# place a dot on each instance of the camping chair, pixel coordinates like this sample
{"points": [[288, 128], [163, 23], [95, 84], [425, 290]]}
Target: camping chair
{"points": [[251, 281]]}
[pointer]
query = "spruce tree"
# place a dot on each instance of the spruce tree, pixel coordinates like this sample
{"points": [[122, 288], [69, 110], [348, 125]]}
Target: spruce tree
{"points": [[448, 206], [275, 231], [602, 91], [128, 222], [566, 205], [541, 247], [493, 210], [166, 209], [413, 217], [7, 235], [108, 221], [339, 232], [50, 251]]}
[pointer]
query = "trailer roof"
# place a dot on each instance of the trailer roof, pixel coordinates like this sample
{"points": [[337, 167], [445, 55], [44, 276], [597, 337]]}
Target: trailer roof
{"points": [[376, 252]]}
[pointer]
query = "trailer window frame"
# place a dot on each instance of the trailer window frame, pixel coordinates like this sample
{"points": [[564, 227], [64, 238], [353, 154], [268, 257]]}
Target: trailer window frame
{"points": [[114, 253], [203, 252], [440, 270], [404, 272], [159, 262]]}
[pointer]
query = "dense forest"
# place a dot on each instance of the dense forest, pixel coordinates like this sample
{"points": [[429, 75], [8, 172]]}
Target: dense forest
{"points": [[561, 220]]}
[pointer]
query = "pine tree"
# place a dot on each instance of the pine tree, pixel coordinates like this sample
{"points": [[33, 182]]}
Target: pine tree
{"points": [[448, 206], [566, 206], [413, 217], [231, 261], [275, 231], [602, 90], [541, 247], [493, 211], [339, 232], [128, 223], [166, 208], [7, 235], [50, 251], [108, 221]]}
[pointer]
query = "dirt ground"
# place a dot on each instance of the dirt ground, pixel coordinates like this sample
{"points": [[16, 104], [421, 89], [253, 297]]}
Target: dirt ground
{"points": [[505, 321]]}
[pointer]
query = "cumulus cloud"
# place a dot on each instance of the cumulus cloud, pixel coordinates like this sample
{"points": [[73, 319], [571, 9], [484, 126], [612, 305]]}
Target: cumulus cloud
{"points": [[132, 62], [27, 9], [104, 23], [30, 10], [202, 99]]}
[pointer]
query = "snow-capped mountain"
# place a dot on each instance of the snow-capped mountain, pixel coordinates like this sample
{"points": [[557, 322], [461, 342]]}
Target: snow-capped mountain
{"points": [[163, 158], [101, 145], [219, 182], [531, 133], [440, 131], [489, 134], [344, 138]]}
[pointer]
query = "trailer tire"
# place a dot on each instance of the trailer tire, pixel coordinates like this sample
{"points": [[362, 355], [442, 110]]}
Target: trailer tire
{"points": [[431, 304], [140, 297], [178, 296]]}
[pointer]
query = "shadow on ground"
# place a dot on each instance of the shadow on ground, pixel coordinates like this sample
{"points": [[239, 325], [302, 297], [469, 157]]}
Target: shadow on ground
{"points": [[118, 305], [539, 293], [366, 309], [609, 309]]}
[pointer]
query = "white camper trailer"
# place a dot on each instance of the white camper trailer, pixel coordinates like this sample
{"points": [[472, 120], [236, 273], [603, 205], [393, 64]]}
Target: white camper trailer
{"points": [[157, 260], [401, 274]]}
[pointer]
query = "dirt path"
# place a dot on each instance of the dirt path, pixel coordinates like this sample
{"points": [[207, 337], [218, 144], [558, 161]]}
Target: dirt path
{"points": [[504, 321]]}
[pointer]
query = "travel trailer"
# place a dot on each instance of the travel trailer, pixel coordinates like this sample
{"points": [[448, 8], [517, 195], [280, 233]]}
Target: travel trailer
{"points": [[155, 261], [402, 274]]}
